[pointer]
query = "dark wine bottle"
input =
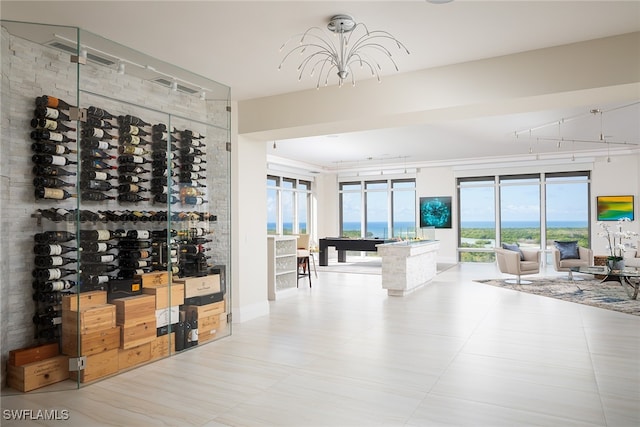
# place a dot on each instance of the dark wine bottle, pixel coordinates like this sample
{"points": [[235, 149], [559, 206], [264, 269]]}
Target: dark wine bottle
{"points": [[96, 153], [161, 146], [49, 159], [180, 330], [132, 120], [98, 257], [48, 148], [96, 164], [189, 200], [132, 263], [95, 196], [99, 113], [162, 198], [190, 176], [131, 188], [56, 285], [187, 332], [53, 237], [48, 261], [47, 274], [97, 247], [194, 329], [46, 135], [96, 185], [133, 245], [132, 198], [161, 127], [163, 172], [52, 249], [98, 123], [133, 130], [191, 134], [52, 102], [97, 269], [50, 125], [51, 182], [97, 175], [131, 179], [96, 134], [132, 168], [100, 235], [94, 280], [52, 193], [191, 168], [192, 159], [43, 112], [129, 159], [95, 143]]}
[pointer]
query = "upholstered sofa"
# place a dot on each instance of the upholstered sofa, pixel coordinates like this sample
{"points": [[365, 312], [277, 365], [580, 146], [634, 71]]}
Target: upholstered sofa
{"points": [[632, 257]]}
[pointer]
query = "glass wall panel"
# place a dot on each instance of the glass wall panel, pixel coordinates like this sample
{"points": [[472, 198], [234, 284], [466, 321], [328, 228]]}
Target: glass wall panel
{"points": [[272, 204], [404, 209], [477, 219], [351, 210], [520, 210], [567, 208], [377, 210]]}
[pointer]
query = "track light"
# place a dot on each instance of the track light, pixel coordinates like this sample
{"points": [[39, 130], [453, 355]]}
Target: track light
{"points": [[203, 96], [174, 86], [121, 67]]}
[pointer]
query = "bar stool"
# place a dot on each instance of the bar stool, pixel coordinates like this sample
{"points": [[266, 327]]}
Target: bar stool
{"points": [[304, 269]]}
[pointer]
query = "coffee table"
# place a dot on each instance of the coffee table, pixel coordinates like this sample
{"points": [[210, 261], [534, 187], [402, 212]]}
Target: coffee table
{"points": [[629, 276]]}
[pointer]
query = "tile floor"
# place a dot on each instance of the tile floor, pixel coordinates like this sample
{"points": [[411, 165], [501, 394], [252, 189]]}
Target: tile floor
{"points": [[454, 353]]}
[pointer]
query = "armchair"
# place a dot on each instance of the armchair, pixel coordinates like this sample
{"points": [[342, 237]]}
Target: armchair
{"points": [[632, 257], [519, 263], [561, 263]]}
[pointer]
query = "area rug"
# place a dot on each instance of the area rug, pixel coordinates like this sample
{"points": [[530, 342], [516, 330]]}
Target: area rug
{"points": [[608, 295]]}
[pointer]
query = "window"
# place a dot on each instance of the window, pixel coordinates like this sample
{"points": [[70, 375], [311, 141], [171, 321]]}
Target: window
{"points": [[378, 208], [521, 209], [288, 205]]}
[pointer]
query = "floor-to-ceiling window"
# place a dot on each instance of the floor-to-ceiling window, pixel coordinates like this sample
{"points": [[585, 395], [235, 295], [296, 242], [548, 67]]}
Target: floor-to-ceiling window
{"points": [[531, 210], [378, 208], [288, 205]]}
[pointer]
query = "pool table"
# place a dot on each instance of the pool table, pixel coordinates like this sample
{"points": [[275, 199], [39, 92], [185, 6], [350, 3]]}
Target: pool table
{"points": [[343, 244]]}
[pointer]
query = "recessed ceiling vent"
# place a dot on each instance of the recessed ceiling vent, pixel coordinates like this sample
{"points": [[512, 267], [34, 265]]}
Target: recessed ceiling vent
{"points": [[73, 50], [167, 83]]}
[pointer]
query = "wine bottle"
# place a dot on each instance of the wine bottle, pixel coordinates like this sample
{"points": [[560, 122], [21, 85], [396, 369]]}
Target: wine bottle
{"points": [[96, 175], [52, 249], [131, 149], [131, 179], [96, 134], [51, 182], [191, 168], [56, 285], [187, 332], [190, 176], [47, 148], [50, 159], [163, 155], [100, 235], [95, 196], [47, 135], [194, 329], [160, 181], [132, 120], [48, 261], [52, 102], [96, 247], [96, 153], [96, 164], [99, 113], [189, 200], [132, 198], [98, 269], [132, 245], [94, 143], [97, 185], [161, 127], [43, 112], [163, 164], [179, 335], [47, 274], [163, 189], [131, 188], [191, 134], [129, 159], [53, 237], [50, 125], [192, 159], [161, 146], [131, 263], [98, 123], [52, 193], [47, 320], [163, 172], [94, 280], [133, 130], [132, 169], [143, 253], [162, 198], [132, 140], [98, 257]]}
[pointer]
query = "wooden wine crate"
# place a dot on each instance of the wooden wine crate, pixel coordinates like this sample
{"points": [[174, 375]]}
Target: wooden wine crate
{"points": [[134, 356], [90, 343], [135, 334], [97, 366], [83, 300], [90, 319], [31, 376], [163, 345], [208, 327], [205, 310], [132, 310], [166, 316], [197, 286], [167, 296], [22, 356], [154, 279]]}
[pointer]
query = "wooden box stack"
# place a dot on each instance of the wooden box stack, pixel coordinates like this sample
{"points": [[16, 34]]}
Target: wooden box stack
{"points": [[208, 319], [136, 317], [34, 367], [89, 329]]}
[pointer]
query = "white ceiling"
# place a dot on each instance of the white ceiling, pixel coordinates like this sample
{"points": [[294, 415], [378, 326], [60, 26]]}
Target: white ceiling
{"points": [[237, 43]]}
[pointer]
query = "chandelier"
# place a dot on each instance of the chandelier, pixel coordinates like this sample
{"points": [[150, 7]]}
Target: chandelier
{"points": [[355, 45]]}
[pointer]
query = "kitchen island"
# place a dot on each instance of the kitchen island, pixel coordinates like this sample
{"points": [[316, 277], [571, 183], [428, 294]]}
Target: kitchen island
{"points": [[408, 265]]}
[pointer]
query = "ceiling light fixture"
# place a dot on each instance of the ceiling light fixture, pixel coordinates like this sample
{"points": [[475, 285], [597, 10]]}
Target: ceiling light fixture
{"points": [[355, 45], [174, 85], [121, 67]]}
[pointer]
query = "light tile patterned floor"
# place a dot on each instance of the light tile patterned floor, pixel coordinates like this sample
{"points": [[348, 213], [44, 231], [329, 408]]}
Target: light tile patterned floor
{"points": [[455, 353]]}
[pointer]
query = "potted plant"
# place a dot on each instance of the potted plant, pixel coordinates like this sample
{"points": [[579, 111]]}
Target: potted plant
{"points": [[616, 237]]}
